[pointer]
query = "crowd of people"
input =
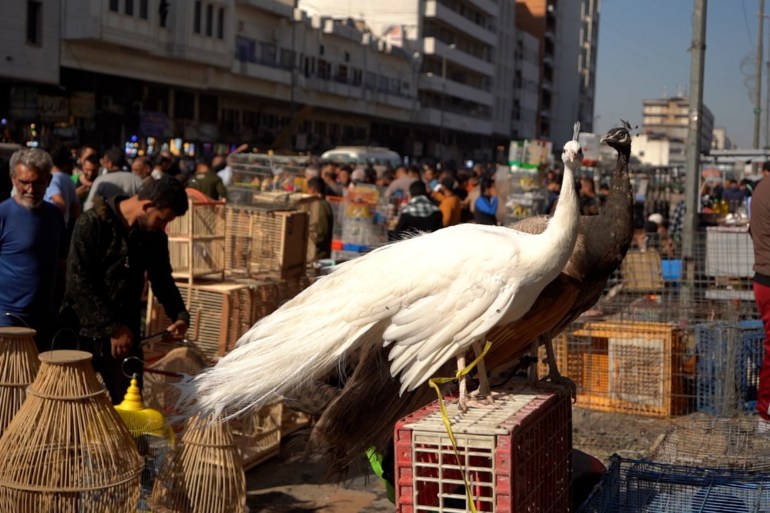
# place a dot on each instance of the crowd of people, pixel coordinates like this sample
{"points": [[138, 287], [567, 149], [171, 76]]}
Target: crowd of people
{"points": [[79, 236], [82, 231], [424, 197]]}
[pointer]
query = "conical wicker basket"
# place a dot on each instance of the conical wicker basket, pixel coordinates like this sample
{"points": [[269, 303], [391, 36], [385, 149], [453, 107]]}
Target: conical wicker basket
{"points": [[204, 473], [18, 367], [66, 450]]}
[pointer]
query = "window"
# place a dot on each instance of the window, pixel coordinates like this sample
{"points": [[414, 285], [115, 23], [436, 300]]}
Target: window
{"points": [[144, 9], [34, 22], [209, 20], [324, 69], [245, 49], [221, 23], [357, 76], [287, 58], [197, 17], [129, 7], [184, 105], [163, 12], [382, 83], [250, 119], [342, 73], [114, 7], [268, 54], [208, 108]]}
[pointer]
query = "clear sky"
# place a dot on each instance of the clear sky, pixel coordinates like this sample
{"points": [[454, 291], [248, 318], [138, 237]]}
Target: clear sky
{"points": [[644, 53]]}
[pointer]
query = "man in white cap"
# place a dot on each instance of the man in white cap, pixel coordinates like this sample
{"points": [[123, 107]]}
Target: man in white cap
{"points": [[659, 239]]}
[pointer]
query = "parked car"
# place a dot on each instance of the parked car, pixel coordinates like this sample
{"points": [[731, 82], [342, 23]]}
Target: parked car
{"points": [[355, 155]]}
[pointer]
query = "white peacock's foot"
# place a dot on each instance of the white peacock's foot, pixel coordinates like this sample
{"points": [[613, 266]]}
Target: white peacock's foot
{"points": [[478, 395]]}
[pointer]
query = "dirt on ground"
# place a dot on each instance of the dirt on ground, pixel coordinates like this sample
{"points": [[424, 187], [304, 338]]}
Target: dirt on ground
{"points": [[294, 483]]}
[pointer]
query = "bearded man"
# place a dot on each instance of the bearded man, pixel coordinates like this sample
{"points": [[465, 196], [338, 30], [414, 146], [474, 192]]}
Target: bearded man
{"points": [[113, 246]]}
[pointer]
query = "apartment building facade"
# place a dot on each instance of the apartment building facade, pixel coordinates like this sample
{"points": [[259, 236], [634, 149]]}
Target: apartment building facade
{"points": [[669, 117], [439, 80]]}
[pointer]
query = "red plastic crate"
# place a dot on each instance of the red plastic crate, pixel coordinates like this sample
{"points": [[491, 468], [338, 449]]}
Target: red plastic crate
{"points": [[515, 453]]}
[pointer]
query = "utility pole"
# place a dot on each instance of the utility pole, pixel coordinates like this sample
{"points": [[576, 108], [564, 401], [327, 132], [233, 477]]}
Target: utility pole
{"points": [[767, 98], [758, 80], [692, 184]]}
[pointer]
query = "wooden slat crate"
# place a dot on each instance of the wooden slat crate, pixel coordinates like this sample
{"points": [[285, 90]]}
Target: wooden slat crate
{"points": [[220, 313], [257, 433], [197, 240], [261, 241], [628, 367], [282, 200]]}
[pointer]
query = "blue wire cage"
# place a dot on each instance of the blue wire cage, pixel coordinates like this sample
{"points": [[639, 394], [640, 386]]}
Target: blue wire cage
{"points": [[637, 486]]}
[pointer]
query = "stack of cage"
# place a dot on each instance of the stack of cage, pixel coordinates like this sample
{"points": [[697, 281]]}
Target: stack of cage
{"points": [[514, 455], [220, 312]]}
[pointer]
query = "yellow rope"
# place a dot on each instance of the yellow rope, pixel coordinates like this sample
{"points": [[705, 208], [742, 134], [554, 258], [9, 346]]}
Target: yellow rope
{"points": [[434, 383]]}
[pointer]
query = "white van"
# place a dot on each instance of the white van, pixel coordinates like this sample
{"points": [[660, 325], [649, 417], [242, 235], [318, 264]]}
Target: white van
{"points": [[363, 155]]}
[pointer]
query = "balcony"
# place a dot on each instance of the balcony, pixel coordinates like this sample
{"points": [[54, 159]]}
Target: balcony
{"points": [[435, 83], [276, 7], [433, 9], [433, 46]]}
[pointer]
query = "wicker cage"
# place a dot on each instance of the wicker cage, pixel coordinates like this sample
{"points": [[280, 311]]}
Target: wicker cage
{"points": [[197, 240], [66, 450], [260, 241], [204, 473], [19, 364]]}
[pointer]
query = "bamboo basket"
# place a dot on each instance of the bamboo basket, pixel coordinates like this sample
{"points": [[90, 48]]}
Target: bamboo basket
{"points": [[66, 450], [204, 473], [18, 367]]}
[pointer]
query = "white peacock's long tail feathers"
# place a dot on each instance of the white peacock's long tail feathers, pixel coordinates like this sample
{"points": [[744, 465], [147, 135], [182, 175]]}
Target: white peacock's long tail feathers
{"points": [[272, 359]]}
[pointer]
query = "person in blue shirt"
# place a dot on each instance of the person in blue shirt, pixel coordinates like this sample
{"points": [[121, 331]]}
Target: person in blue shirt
{"points": [[31, 248], [485, 208]]}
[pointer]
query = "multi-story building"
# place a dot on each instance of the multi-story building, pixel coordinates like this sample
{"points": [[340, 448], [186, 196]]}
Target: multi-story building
{"points": [[568, 33], [434, 79], [458, 44], [670, 117]]}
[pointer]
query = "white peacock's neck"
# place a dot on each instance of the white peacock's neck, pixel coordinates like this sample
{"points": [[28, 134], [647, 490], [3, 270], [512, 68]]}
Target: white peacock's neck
{"points": [[561, 232]]}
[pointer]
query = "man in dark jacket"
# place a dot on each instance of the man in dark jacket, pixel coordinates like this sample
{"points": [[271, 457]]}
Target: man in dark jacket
{"points": [[419, 215], [112, 247]]}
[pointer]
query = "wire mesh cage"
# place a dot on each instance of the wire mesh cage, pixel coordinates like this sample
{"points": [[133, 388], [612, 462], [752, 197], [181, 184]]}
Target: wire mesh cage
{"points": [[257, 173], [687, 325], [729, 359], [716, 442], [634, 486], [66, 450], [19, 364], [204, 473]]}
